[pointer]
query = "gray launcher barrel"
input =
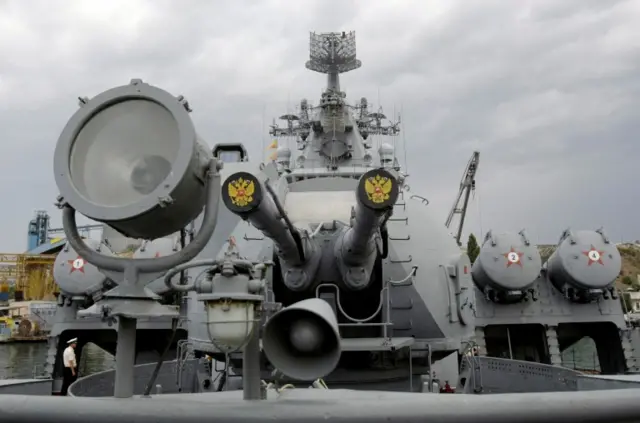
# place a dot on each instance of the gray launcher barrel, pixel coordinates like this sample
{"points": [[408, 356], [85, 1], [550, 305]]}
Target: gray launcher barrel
{"points": [[246, 196], [376, 195]]}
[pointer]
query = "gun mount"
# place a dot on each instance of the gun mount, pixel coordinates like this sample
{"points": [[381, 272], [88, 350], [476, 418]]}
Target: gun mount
{"points": [[244, 195], [376, 195]]}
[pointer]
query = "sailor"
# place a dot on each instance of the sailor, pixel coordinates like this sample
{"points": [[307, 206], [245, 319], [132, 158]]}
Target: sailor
{"points": [[70, 366]]}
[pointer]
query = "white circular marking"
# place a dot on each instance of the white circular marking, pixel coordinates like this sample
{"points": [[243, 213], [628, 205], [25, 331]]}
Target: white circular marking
{"points": [[513, 257], [78, 263], [593, 255]]}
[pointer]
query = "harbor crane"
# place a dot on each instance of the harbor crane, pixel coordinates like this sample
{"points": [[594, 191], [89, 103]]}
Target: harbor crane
{"points": [[467, 185]]}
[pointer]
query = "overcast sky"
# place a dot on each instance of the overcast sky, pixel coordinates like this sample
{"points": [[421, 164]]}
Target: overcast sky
{"points": [[546, 90]]}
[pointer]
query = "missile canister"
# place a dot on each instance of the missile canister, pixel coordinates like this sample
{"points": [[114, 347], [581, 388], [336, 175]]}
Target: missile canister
{"points": [[585, 260], [507, 262], [74, 275]]}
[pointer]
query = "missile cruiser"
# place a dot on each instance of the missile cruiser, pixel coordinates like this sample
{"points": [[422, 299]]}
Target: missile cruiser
{"points": [[245, 281]]}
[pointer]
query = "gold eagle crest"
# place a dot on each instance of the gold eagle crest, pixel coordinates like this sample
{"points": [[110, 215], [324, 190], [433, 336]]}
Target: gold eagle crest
{"points": [[378, 188], [241, 192]]}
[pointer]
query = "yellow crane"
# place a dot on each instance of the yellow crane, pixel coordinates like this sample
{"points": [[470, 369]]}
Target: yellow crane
{"points": [[32, 274]]}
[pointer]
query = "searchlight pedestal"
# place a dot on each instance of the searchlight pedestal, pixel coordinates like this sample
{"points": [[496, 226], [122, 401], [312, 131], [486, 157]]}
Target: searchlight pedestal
{"points": [[130, 158]]}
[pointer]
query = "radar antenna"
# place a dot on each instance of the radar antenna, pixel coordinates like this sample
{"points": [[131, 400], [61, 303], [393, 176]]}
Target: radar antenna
{"points": [[333, 53], [467, 185], [297, 126], [371, 123]]}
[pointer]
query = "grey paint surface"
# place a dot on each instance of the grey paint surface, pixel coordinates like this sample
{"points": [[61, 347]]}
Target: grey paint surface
{"points": [[428, 284], [74, 275], [551, 306], [183, 183], [488, 375], [585, 259], [428, 277], [311, 405], [160, 247], [26, 387], [507, 261], [430, 301]]}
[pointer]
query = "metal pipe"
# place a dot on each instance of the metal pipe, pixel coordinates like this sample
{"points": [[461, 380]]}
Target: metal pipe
{"points": [[125, 357], [156, 370], [509, 342], [251, 377], [311, 406]]}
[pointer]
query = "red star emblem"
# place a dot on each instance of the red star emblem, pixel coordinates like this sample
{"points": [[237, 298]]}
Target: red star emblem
{"points": [[157, 254], [77, 264], [513, 257], [594, 256]]}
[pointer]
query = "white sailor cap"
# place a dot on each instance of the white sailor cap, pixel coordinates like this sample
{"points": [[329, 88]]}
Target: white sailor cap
{"points": [[71, 341]]}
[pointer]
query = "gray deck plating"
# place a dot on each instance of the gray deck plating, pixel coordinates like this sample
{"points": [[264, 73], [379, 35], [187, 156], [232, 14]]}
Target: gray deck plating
{"points": [[5, 382]]}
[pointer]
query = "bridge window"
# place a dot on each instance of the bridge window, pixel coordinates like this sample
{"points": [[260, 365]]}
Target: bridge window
{"points": [[230, 153], [230, 156]]}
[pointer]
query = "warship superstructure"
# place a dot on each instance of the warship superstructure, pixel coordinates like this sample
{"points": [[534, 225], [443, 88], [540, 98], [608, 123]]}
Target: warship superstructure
{"points": [[338, 222], [321, 268]]}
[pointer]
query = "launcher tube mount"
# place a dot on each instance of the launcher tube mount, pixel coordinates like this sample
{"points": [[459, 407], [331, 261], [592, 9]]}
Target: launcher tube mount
{"points": [[376, 194], [249, 198]]}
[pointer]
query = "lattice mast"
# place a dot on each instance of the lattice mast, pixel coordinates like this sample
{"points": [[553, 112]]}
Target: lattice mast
{"points": [[467, 186], [333, 53]]}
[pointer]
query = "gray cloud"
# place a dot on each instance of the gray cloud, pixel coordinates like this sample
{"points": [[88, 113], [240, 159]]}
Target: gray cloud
{"points": [[548, 91]]}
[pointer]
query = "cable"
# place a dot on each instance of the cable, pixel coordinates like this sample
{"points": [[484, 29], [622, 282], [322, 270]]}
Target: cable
{"points": [[154, 375]]}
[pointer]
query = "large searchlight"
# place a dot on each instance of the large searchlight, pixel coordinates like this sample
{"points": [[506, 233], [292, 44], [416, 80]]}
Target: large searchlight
{"points": [[130, 157]]}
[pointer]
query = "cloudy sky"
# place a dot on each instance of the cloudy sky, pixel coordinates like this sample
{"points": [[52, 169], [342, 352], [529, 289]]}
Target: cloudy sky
{"points": [[547, 90]]}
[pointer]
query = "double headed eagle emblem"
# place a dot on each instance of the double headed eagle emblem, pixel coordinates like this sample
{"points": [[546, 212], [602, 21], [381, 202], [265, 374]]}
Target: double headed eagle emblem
{"points": [[241, 192], [378, 188]]}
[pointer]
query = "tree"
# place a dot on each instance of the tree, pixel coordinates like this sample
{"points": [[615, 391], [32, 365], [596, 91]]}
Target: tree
{"points": [[473, 249], [627, 280]]}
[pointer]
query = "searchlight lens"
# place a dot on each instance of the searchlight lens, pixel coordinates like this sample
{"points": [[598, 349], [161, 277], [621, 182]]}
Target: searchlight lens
{"points": [[110, 163]]}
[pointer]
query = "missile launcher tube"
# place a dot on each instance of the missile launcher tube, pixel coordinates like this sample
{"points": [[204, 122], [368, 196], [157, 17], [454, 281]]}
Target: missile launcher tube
{"points": [[249, 198], [585, 260], [376, 195], [507, 262]]}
